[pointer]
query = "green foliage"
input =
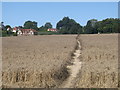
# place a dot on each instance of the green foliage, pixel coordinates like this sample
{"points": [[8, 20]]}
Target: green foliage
{"points": [[0, 32], [30, 25], [68, 26], [14, 34], [109, 25], [47, 33], [93, 89], [48, 25], [7, 26], [43, 29], [90, 28], [4, 33]]}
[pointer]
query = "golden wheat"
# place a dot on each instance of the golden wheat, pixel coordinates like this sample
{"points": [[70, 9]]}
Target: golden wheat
{"points": [[36, 61], [100, 61]]}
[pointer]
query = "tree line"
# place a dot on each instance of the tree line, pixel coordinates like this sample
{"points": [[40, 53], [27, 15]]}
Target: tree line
{"points": [[109, 25], [93, 26], [70, 26]]}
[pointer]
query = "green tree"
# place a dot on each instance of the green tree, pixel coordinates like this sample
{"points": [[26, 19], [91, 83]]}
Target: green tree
{"points": [[91, 27], [42, 28], [30, 25], [48, 25], [109, 25], [2, 27], [7, 26], [68, 26]]}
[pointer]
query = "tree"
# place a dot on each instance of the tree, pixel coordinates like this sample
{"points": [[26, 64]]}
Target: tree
{"points": [[91, 27], [68, 26], [2, 26], [30, 25], [48, 25], [109, 25], [20, 27], [7, 26], [42, 28]]}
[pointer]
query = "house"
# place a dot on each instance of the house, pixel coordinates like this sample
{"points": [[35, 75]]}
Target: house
{"points": [[24, 31], [15, 29], [8, 29], [52, 29]]}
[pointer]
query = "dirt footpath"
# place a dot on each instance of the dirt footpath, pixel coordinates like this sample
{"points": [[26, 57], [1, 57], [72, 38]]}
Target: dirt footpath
{"points": [[74, 68]]}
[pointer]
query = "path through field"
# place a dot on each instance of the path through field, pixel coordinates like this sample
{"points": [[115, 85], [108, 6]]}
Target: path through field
{"points": [[74, 69]]}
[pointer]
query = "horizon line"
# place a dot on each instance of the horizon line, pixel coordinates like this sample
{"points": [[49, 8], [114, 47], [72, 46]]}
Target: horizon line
{"points": [[56, 23]]}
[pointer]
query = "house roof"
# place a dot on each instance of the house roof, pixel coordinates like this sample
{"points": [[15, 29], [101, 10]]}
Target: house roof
{"points": [[15, 28], [28, 30], [23, 30]]}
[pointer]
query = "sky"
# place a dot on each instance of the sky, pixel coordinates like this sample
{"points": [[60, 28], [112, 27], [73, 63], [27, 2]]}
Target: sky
{"points": [[16, 13], [60, 0]]}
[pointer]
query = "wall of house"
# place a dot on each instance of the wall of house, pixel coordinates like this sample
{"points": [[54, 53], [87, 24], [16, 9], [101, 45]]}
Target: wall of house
{"points": [[25, 33], [31, 33], [19, 33]]}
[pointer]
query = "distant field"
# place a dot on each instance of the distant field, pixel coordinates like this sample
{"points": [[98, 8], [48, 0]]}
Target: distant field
{"points": [[100, 61], [30, 61]]}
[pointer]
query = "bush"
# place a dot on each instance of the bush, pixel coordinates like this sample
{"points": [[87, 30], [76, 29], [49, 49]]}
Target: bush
{"points": [[4, 34], [14, 34], [47, 33], [7, 33]]}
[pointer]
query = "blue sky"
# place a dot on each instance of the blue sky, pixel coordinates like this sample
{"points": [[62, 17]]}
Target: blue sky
{"points": [[16, 13]]}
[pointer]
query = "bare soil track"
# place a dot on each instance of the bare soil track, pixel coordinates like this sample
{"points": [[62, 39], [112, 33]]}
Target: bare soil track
{"points": [[73, 69]]}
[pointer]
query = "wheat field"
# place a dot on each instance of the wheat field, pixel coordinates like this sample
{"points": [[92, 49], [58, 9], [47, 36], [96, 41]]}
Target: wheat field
{"points": [[99, 61], [36, 61], [41, 61]]}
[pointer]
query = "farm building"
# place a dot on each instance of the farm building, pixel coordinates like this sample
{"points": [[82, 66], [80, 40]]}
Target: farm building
{"points": [[15, 29], [24, 31], [52, 29]]}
